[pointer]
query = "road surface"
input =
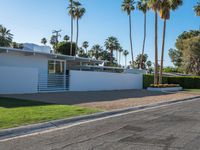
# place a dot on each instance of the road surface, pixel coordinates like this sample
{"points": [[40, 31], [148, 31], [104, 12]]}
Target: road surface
{"points": [[172, 127]]}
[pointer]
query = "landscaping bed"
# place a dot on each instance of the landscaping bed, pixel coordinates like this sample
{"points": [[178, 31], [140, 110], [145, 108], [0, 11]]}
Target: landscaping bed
{"points": [[165, 87], [188, 82], [15, 112]]}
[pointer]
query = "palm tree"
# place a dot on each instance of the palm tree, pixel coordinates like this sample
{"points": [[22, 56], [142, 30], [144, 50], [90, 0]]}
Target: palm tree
{"points": [[149, 64], [85, 45], [44, 41], [96, 51], [5, 37], [81, 52], [197, 9], [78, 12], [142, 5], [125, 53], [120, 53], [166, 7], [66, 38], [111, 44], [128, 6], [155, 6], [71, 13]]}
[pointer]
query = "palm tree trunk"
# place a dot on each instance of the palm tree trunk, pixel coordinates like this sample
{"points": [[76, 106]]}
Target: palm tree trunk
{"points": [[71, 46], [119, 57], [111, 57], [156, 50], [77, 32], [125, 61], [130, 32], [144, 40], [162, 55]]}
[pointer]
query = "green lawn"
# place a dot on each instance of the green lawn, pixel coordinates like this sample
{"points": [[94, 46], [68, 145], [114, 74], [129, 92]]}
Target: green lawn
{"points": [[14, 112], [193, 90]]}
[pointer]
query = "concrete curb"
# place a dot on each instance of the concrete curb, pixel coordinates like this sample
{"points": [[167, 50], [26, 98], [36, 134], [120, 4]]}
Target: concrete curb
{"points": [[25, 130]]}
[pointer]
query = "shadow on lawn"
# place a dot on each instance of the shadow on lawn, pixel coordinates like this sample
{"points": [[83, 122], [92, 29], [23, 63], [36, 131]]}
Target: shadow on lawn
{"points": [[15, 103], [72, 98]]}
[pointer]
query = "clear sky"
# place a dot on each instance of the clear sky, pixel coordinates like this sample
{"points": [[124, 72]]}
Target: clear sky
{"points": [[31, 20]]}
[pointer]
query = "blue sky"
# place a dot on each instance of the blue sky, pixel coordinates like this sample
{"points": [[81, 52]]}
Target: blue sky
{"points": [[31, 20]]}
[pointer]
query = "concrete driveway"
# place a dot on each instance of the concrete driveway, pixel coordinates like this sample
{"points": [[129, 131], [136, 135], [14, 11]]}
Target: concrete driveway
{"points": [[174, 127]]}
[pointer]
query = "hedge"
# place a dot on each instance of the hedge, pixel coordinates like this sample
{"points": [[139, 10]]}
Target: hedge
{"points": [[192, 82]]}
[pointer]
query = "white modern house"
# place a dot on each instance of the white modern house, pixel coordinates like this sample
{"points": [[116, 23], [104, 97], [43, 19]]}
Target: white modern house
{"points": [[36, 69]]}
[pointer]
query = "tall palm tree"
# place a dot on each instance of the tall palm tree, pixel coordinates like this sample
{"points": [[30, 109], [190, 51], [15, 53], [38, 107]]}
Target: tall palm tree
{"points": [[125, 53], [128, 6], [78, 12], [120, 53], [85, 45], [142, 5], [71, 13], [165, 8], [197, 9], [155, 6], [111, 44], [44, 41], [5, 37]]}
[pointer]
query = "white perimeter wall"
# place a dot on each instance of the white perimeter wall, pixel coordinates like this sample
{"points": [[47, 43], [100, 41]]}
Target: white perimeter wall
{"points": [[14, 80], [12, 59], [96, 81]]}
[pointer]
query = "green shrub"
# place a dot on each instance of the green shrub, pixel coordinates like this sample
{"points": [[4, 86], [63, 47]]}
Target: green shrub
{"points": [[192, 82]]}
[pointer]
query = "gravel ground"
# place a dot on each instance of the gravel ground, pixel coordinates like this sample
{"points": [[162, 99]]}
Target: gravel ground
{"points": [[105, 100], [139, 100]]}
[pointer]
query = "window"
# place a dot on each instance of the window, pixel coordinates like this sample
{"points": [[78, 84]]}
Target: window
{"points": [[56, 67]]}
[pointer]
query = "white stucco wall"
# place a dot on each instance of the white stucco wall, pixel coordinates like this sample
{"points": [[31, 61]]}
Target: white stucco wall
{"points": [[12, 59], [17, 80], [96, 81]]}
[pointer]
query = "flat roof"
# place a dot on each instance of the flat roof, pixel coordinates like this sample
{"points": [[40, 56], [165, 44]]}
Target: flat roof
{"points": [[51, 55]]}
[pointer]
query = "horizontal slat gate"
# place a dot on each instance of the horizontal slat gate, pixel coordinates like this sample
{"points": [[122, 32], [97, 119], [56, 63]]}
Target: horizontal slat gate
{"points": [[53, 82]]}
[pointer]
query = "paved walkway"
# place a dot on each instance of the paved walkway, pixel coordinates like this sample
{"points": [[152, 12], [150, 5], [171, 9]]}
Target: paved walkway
{"points": [[107, 100], [174, 127]]}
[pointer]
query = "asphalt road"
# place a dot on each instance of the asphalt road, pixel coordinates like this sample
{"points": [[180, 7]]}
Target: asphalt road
{"points": [[171, 127]]}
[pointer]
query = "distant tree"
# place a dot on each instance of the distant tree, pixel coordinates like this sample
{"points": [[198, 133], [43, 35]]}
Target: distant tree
{"points": [[5, 37], [44, 41], [176, 57], [85, 45], [17, 45], [149, 64], [96, 51], [78, 13], [81, 53], [64, 48], [142, 5], [66, 38], [197, 9], [105, 55], [125, 53], [128, 6], [111, 44], [138, 59], [120, 53], [187, 55]]}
